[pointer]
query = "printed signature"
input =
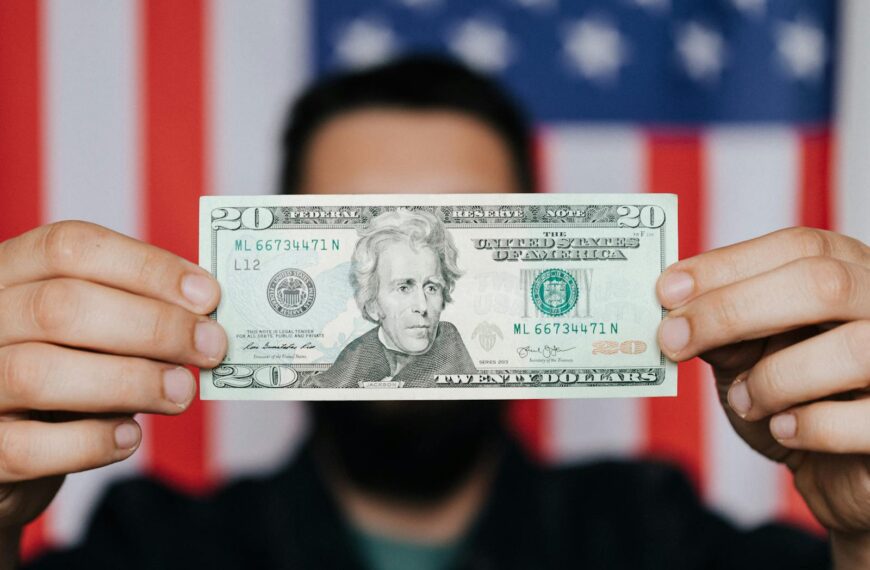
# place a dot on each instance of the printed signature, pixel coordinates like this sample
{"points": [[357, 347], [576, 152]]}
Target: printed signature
{"points": [[282, 346], [546, 351]]}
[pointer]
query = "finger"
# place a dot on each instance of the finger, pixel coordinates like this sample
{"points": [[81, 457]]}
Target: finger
{"points": [[87, 315], [828, 427], [803, 292], [31, 449], [831, 363], [93, 253], [697, 275], [37, 376]]}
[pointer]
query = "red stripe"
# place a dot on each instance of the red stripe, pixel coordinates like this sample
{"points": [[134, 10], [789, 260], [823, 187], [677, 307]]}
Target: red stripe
{"points": [[816, 178], [539, 156], [528, 420], [20, 121], [816, 208], [675, 427], [35, 538], [21, 182], [174, 170]]}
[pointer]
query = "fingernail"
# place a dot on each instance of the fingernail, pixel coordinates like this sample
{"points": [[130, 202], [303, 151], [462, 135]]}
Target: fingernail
{"points": [[677, 287], [178, 386], [739, 398], [675, 334], [127, 436], [209, 339], [198, 289], [783, 426]]}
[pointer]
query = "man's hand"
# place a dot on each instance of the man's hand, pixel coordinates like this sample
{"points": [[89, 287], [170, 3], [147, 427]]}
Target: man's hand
{"points": [[94, 328], [784, 320]]}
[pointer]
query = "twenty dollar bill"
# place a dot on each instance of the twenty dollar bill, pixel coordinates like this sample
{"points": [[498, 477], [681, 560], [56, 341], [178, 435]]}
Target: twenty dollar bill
{"points": [[439, 296]]}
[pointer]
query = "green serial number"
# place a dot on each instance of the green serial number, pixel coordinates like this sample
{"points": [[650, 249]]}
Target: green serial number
{"points": [[315, 244], [566, 328]]}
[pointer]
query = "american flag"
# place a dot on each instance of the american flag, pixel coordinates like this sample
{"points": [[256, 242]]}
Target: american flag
{"points": [[123, 112]]}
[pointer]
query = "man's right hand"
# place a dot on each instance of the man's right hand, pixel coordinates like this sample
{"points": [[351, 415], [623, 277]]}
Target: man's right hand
{"points": [[94, 327]]}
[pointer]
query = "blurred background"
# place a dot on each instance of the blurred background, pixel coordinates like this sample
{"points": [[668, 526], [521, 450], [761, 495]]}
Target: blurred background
{"points": [[754, 112]]}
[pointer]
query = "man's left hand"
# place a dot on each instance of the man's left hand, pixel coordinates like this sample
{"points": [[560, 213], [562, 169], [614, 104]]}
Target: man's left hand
{"points": [[784, 320]]}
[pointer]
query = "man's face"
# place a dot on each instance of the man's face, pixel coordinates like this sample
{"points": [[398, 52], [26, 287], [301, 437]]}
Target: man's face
{"points": [[415, 451], [389, 151], [410, 296]]}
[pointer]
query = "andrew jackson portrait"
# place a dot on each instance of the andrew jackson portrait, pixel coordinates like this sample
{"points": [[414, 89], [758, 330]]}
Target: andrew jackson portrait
{"points": [[403, 271]]}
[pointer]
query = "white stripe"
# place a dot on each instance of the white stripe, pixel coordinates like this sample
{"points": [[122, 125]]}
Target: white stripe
{"points": [[90, 142], [259, 60], [587, 429], [853, 121], [252, 437], [91, 134], [594, 159], [590, 158], [753, 178]]}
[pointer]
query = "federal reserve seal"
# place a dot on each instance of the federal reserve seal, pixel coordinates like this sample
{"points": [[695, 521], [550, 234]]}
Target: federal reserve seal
{"points": [[291, 292], [554, 292]]}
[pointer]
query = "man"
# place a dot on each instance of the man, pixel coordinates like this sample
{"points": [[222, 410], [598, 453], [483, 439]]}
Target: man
{"points": [[427, 484], [403, 271]]}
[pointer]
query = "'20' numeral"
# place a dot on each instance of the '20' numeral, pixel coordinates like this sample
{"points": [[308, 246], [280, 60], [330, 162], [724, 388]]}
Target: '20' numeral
{"points": [[234, 219], [616, 347], [647, 216]]}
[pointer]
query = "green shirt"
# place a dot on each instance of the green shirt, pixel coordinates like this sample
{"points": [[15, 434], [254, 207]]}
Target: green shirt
{"points": [[383, 553]]}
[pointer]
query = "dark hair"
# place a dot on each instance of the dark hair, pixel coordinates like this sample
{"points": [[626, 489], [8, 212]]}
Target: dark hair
{"points": [[415, 83]]}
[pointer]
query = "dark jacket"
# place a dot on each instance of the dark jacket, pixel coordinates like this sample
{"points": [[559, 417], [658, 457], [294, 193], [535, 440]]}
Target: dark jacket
{"points": [[609, 515], [365, 360]]}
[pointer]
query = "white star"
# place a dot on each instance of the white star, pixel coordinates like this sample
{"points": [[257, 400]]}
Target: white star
{"points": [[595, 48], [658, 5], [536, 4], [802, 48], [481, 44], [755, 8], [701, 51], [419, 4], [365, 42]]}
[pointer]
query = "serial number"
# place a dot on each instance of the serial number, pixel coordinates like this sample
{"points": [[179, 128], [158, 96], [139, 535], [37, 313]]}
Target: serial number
{"points": [[566, 328], [315, 244]]}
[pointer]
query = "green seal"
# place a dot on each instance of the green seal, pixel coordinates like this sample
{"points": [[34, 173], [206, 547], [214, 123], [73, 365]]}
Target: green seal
{"points": [[554, 292]]}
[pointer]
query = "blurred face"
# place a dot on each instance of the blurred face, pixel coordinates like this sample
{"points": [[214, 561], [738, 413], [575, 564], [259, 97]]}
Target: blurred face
{"points": [[411, 451], [410, 296], [384, 151]]}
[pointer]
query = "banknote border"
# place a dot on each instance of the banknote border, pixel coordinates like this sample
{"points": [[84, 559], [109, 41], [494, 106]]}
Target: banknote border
{"points": [[657, 388]]}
